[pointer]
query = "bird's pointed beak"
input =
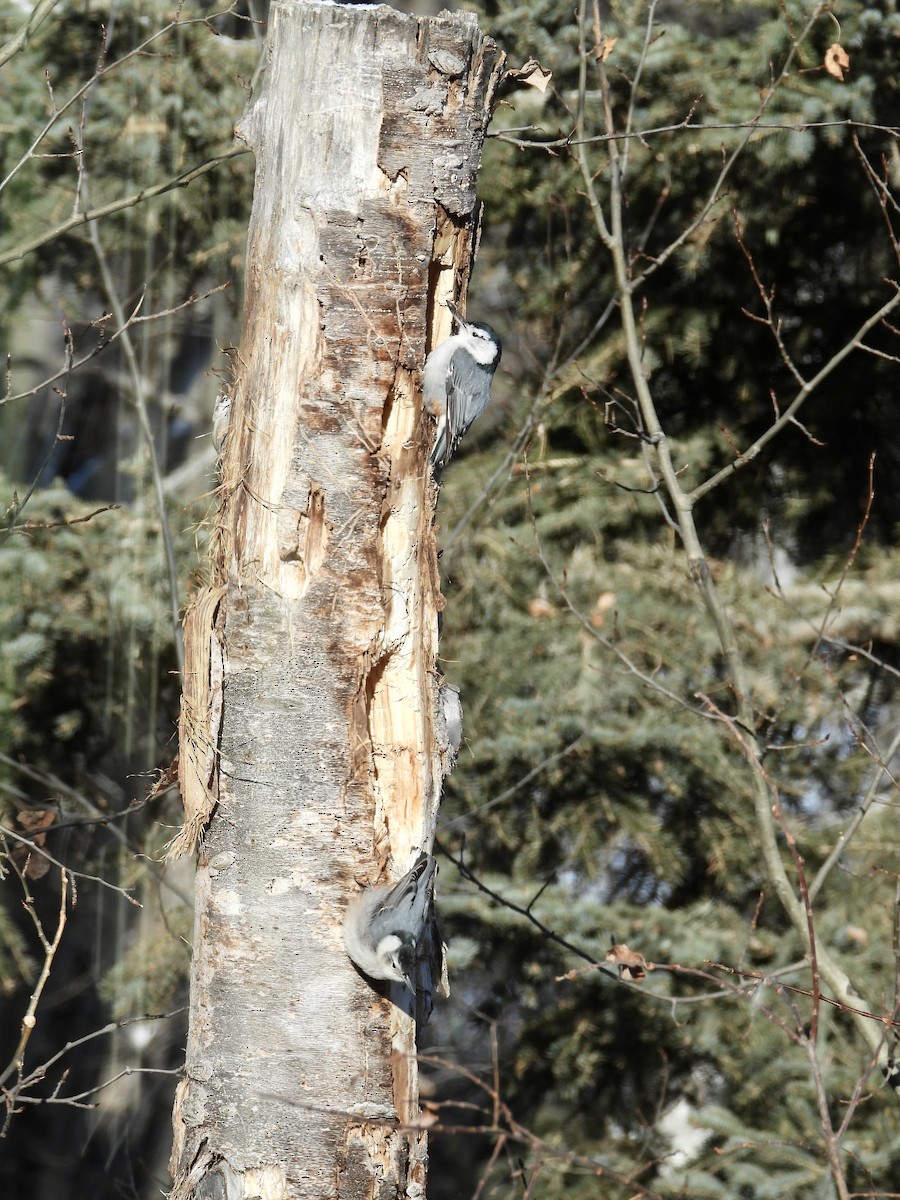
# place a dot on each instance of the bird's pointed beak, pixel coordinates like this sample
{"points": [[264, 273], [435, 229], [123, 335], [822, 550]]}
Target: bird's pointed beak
{"points": [[457, 315]]}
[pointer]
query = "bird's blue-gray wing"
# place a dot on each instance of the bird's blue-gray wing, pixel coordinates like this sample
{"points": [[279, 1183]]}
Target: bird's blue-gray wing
{"points": [[468, 388], [402, 895]]}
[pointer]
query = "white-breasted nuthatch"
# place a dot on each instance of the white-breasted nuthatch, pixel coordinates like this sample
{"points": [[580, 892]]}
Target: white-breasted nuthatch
{"points": [[451, 711], [384, 924], [221, 420], [456, 384]]}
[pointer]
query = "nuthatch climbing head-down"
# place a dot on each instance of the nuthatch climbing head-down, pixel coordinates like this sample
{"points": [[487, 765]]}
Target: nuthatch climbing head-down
{"points": [[383, 924], [456, 385], [451, 711], [221, 420]]}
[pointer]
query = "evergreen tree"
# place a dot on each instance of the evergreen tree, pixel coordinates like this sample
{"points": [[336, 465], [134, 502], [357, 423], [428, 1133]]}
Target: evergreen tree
{"points": [[604, 786]]}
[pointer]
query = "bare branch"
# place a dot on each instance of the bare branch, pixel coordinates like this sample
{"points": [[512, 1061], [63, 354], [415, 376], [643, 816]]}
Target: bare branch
{"points": [[565, 141], [105, 210], [36, 849], [106, 342], [50, 948], [103, 71], [38, 16], [714, 196], [767, 295], [611, 233], [855, 343], [548, 933]]}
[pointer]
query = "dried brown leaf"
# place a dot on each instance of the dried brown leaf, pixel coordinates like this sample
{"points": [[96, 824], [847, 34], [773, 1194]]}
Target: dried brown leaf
{"points": [[33, 821], [532, 75], [837, 61], [604, 48]]}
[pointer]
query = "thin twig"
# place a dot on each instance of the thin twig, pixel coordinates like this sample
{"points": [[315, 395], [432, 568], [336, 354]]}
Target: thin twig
{"points": [[104, 210], [50, 948], [467, 873], [803, 394], [104, 71], [18, 507], [134, 319], [20, 41], [563, 141], [36, 849], [611, 233]]}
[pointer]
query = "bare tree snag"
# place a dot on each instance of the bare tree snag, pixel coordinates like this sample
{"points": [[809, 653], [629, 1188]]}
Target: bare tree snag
{"points": [[368, 137]]}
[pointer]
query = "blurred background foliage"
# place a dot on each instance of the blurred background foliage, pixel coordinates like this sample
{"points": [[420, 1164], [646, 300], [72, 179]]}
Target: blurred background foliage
{"points": [[591, 789], [594, 790], [89, 687]]}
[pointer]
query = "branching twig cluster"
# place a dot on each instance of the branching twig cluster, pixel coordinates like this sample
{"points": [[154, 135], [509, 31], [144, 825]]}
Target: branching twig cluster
{"points": [[797, 890]]}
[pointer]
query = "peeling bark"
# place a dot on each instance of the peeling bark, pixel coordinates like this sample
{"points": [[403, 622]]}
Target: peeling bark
{"points": [[368, 135]]}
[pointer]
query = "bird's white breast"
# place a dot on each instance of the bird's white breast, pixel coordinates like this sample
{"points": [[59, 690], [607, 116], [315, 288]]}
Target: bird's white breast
{"points": [[437, 364]]}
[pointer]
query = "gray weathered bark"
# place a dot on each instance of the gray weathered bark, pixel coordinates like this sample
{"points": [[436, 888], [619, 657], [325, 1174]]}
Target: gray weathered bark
{"points": [[321, 686]]}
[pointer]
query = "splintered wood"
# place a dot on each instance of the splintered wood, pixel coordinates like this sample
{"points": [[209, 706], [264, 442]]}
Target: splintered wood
{"points": [[201, 719]]}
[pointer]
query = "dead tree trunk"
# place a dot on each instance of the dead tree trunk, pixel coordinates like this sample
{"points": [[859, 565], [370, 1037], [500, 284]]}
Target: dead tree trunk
{"points": [[320, 687]]}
